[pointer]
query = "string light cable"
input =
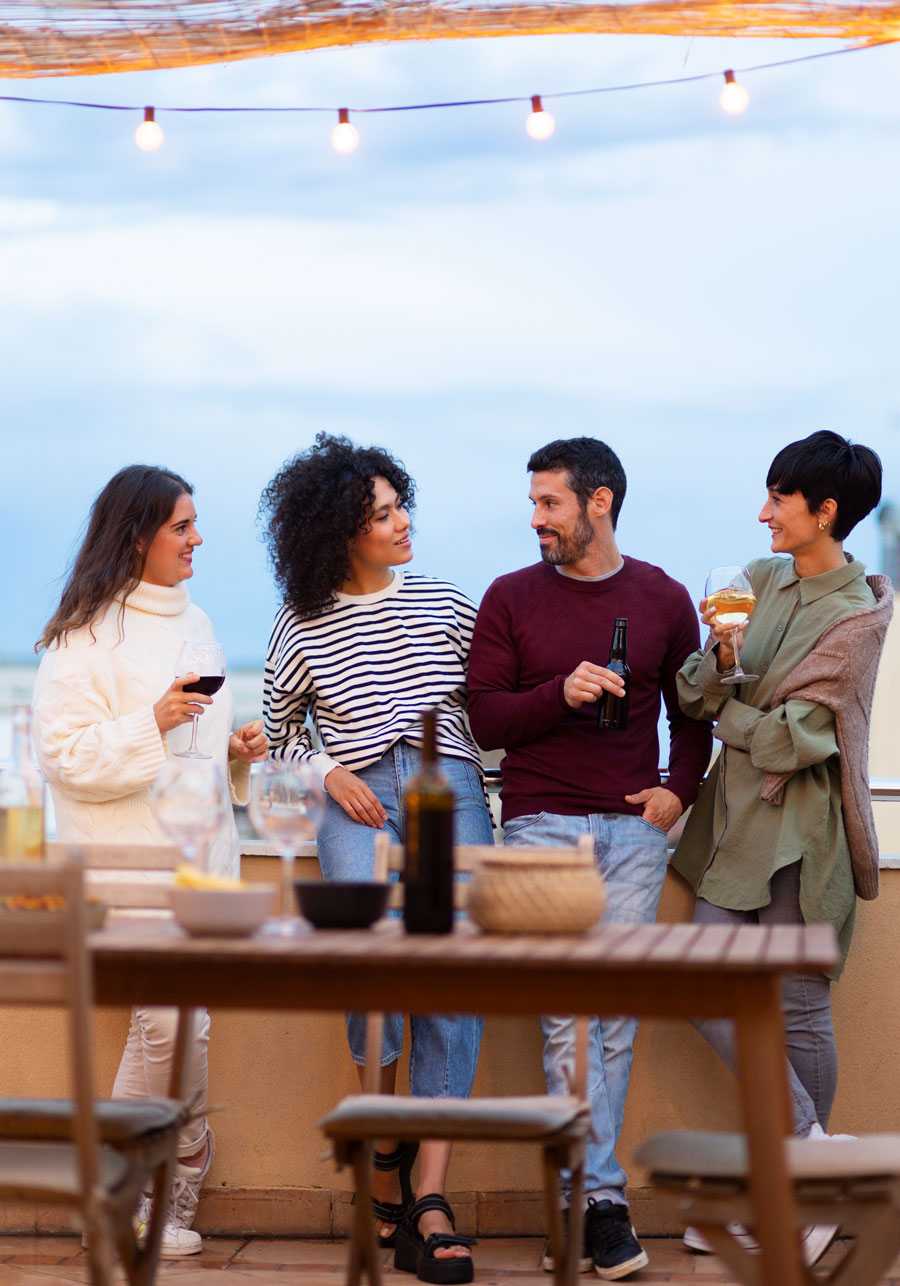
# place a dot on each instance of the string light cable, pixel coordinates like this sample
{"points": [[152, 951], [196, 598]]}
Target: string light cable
{"points": [[539, 124]]}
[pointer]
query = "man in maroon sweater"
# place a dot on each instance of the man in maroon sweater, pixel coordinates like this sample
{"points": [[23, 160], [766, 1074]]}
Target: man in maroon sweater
{"points": [[536, 671]]}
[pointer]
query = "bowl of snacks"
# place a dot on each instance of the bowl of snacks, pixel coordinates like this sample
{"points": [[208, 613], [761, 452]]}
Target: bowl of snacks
{"points": [[214, 906], [30, 922]]}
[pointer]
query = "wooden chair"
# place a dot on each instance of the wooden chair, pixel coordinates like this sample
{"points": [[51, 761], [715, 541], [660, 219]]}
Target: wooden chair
{"points": [[127, 877], [559, 1124], [95, 1157], [856, 1185]]}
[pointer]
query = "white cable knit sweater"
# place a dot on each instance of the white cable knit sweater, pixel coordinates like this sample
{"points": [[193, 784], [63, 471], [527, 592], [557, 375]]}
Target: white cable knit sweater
{"points": [[97, 740]]}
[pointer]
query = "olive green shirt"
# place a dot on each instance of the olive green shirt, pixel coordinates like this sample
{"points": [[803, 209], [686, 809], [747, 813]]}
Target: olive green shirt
{"points": [[733, 842]]}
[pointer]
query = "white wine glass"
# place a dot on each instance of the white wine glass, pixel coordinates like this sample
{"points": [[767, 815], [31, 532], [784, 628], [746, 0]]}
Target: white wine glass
{"points": [[207, 661], [287, 804], [190, 801], [729, 591]]}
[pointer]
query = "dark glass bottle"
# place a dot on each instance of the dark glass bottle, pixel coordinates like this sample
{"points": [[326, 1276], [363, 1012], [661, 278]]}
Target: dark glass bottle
{"points": [[428, 874], [613, 711]]}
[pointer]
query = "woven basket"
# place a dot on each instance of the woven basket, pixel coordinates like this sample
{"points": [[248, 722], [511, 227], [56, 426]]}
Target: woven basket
{"points": [[517, 891]]}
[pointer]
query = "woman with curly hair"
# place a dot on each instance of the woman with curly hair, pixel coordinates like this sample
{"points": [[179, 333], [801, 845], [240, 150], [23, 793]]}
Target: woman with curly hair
{"points": [[365, 648]]}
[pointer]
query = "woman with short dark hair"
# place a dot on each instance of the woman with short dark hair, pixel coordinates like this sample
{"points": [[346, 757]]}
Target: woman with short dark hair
{"points": [[364, 649], [108, 713], [782, 832]]}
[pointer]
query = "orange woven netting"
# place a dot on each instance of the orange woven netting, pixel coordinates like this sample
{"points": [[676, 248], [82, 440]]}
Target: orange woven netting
{"points": [[81, 37]]}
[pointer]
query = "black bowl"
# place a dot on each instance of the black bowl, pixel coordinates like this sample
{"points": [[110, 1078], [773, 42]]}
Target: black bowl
{"points": [[336, 904]]}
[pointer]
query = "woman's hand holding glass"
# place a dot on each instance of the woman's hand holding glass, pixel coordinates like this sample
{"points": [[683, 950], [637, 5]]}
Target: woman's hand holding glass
{"points": [[726, 609], [201, 667], [287, 804]]}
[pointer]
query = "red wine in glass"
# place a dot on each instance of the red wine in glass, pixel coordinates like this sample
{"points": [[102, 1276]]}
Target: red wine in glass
{"points": [[207, 661], [208, 684]]}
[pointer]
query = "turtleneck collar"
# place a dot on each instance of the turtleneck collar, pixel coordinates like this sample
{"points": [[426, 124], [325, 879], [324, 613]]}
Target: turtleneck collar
{"points": [[158, 600]]}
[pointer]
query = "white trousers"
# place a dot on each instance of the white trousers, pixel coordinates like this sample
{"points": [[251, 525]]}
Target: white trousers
{"points": [[146, 1066]]}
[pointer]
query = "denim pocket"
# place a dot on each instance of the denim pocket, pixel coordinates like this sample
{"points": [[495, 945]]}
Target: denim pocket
{"points": [[657, 830], [517, 824]]}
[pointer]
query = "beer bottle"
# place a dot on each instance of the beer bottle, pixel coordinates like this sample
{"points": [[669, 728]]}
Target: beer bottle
{"points": [[21, 797], [428, 873], [613, 711]]}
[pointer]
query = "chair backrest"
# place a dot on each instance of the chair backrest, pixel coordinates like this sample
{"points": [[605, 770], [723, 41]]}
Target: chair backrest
{"points": [[389, 858], [127, 877], [43, 960]]}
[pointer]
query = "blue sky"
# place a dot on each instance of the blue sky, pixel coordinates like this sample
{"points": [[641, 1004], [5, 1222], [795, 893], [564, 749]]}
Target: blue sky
{"points": [[696, 289]]}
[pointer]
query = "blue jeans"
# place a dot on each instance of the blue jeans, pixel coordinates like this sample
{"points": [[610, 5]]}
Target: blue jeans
{"points": [[445, 1047], [631, 856]]}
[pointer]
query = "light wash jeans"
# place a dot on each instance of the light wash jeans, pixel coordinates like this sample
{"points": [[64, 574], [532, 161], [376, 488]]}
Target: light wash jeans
{"points": [[631, 857], [146, 1066], [806, 1004], [444, 1047]]}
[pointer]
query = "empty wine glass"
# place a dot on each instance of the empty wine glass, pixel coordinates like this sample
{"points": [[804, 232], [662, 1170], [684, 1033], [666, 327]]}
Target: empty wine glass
{"points": [[287, 804], [207, 661], [729, 591], [191, 801]]}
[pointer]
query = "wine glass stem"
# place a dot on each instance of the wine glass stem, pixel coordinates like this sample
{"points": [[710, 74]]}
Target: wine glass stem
{"points": [[193, 746], [736, 649], [287, 886]]}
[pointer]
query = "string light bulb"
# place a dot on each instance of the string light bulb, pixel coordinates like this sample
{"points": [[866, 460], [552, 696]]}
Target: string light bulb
{"points": [[149, 135], [539, 124], [344, 136], [734, 98]]}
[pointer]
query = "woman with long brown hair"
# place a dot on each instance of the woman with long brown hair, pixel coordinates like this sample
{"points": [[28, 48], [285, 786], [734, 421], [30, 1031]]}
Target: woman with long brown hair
{"points": [[108, 714]]}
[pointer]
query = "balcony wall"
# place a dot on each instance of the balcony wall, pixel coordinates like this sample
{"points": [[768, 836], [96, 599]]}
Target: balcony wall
{"points": [[276, 1074]]}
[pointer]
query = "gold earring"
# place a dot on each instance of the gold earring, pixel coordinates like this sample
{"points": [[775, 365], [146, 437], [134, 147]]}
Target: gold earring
{"points": [[823, 526]]}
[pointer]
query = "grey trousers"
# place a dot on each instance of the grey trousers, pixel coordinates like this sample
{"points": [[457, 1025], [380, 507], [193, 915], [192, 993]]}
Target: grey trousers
{"points": [[806, 999]]}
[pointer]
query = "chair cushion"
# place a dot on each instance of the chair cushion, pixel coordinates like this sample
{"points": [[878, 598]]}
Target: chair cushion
{"points": [[42, 1171], [120, 1121], [696, 1154], [538, 1118]]}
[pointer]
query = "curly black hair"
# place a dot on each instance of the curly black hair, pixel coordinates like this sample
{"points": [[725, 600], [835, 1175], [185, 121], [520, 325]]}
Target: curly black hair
{"points": [[314, 507]]}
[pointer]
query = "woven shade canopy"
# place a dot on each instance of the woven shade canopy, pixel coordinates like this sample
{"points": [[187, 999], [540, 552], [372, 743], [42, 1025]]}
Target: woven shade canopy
{"points": [[84, 37]]}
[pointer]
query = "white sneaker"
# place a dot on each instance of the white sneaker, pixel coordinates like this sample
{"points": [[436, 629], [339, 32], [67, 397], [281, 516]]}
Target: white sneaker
{"points": [[186, 1187], [815, 1240], [175, 1241], [818, 1133], [693, 1239]]}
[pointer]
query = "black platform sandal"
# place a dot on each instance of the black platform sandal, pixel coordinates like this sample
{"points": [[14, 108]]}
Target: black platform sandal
{"points": [[402, 1158], [415, 1253]]}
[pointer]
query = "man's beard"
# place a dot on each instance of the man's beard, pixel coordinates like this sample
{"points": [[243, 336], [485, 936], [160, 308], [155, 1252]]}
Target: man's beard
{"points": [[568, 549]]}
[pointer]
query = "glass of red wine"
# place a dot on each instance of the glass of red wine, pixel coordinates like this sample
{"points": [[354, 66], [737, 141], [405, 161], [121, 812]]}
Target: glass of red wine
{"points": [[207, 661]]}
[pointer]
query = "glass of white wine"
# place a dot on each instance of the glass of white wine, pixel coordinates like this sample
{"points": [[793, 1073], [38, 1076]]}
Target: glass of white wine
{"points": [[287, 804], [729, 591]]}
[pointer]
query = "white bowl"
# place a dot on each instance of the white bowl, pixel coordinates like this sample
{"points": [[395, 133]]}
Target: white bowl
{"points": [[232, 913]]}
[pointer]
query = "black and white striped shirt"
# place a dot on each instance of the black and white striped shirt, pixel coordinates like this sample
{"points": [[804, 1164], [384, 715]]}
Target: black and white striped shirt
{"points": [[365, 670]]}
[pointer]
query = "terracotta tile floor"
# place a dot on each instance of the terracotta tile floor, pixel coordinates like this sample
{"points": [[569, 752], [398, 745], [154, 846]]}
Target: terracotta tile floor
{"points": [[258, 1261]]}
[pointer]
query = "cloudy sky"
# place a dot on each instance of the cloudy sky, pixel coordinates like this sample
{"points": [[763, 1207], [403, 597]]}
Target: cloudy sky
{"points": [[694, 288]]}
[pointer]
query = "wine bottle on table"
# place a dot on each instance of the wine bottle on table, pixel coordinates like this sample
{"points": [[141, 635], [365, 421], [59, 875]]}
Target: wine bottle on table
{"points": [[613, 712], [21, 797], [428, 872]]}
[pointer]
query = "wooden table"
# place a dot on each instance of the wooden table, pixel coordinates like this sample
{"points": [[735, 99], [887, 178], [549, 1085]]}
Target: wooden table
{"points": [[653, 971]]}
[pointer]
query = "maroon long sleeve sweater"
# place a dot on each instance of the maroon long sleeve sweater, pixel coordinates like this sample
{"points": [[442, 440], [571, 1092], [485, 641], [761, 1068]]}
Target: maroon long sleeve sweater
{"points": [[534, 627]]}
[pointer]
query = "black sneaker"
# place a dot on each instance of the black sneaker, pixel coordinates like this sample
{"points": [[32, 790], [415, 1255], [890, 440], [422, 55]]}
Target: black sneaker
{"points": [[585, 1263], [615, 1249]]}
